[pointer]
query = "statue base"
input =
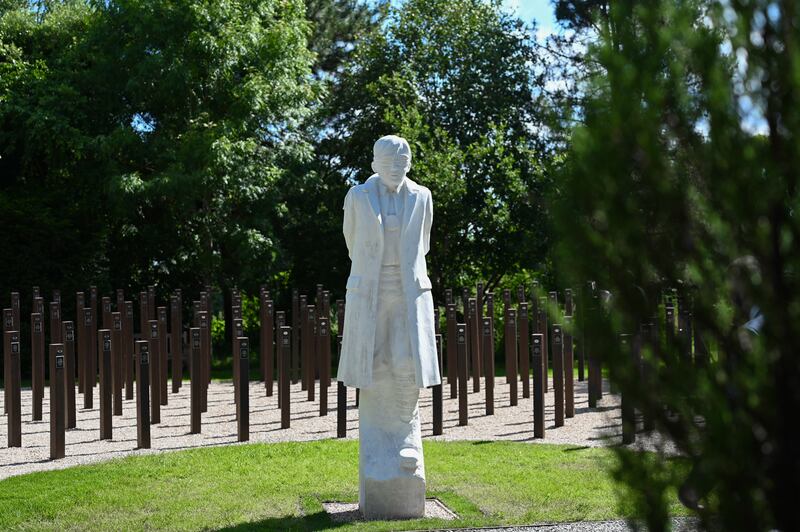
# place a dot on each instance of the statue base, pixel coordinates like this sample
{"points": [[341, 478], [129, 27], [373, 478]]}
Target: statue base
{"points": [[391, 465], [397, 498]]}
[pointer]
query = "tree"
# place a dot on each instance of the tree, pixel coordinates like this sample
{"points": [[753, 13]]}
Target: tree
{"points": [[455, 79], [336, 27], [685, 176], [152, 135]]}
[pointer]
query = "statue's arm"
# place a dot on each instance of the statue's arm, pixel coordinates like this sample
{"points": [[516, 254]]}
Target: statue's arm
{"points": [[349, 222], [427, 223]]}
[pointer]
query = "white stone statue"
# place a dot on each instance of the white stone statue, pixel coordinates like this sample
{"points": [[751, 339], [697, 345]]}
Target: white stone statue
{"points": [[389, 344]]}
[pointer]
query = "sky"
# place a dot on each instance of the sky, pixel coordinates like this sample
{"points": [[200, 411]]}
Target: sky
{"points": [[539, 10]]}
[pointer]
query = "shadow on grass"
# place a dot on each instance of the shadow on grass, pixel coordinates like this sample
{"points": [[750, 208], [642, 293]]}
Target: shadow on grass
{"points": [[316, 521]]}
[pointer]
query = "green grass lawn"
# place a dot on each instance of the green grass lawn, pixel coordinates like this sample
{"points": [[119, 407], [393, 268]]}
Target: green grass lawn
{"points": [[281, 486]]}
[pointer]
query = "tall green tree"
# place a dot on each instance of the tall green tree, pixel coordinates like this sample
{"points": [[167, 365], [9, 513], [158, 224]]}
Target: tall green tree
{"points": [[146, 137], [685, 176], [336, 26], [455, 79]]}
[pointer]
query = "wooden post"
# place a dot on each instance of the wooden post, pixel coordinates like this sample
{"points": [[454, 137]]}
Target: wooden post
{"points": [[8, 325], [341, 398], [324, 357], [262, 331], [595, 367], [144, 316], [285, 354], [57, 411], [626, 405], [340, 315], [268, 348], [106, 306], [88, 377], [311, 351], [175, 343], [55, 323], [538, 385], [243, 396], [452, 349], [155, 373], [15, 312], [480, 299], [487, 338], [162, 352], [93, 342], [69, 372], [580, 355], [474, 344], [143, 394], [438, 406], [544, 329], [195, 387], [238, 331], [326, 303], [127, 350], [203, 324], [511, 353], [557, 354], [14, 385], [303, 341], [104, 339], [151, 308], [295, 340], [120, 300], [461, 342], [116, 362], [568, 305], [205, 303], [569, 370], [80, 358], [37, 364], [524, 350]]}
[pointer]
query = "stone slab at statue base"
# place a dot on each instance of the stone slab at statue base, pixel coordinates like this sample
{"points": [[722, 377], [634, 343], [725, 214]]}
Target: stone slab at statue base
{"points": [[397, 498]]}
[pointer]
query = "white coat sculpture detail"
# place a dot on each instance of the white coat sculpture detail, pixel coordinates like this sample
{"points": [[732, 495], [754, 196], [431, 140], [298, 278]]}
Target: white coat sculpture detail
{"points": [[389, 344]]}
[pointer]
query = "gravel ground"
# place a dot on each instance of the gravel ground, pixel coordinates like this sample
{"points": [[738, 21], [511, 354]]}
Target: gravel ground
{"points": [[679, 524], [590, 428], [348, 512]]}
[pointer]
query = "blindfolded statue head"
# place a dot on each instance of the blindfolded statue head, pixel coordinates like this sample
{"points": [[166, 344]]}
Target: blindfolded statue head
{"points": [[391, 160]]}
